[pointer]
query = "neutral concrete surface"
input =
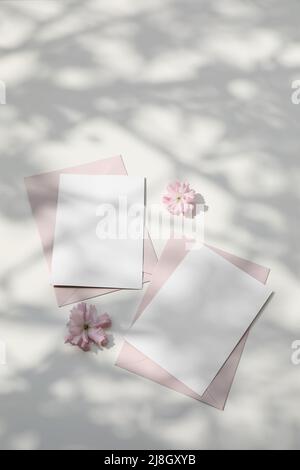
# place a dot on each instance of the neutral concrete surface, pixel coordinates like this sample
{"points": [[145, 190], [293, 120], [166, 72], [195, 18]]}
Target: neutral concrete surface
{"points": [[199, 90]]}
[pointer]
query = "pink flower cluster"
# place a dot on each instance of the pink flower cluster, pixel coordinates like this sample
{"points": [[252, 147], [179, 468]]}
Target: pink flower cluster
{"points": [[180, 199], [86, 327]]}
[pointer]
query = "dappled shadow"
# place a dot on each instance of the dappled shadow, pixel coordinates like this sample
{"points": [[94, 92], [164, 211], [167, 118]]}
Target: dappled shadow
{"points": [[201, 90]]}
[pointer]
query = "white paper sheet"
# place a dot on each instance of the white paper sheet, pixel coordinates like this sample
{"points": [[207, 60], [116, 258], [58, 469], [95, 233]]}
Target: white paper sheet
{"points": [[198, 317], [99, 234]]}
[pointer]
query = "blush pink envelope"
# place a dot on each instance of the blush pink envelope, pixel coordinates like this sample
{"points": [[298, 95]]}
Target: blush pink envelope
{"points": [[134, 361], [42, 192]]}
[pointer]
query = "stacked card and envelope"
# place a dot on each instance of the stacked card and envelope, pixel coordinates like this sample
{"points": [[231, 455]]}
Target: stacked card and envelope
{"points": [[91, 223], [190, 330]]}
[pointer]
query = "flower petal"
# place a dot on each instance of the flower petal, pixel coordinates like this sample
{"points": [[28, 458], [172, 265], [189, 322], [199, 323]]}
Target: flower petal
{"points": [[77, 314], [104, 321], [92, 315], [98, 336], [75, 330]]}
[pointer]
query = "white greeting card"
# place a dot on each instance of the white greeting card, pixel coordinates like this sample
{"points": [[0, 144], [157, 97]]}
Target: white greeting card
{"points": [[99, 233], [198, 317]]}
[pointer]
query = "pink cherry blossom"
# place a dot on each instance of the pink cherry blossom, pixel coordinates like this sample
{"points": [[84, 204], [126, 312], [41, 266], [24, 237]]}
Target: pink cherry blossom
{"points": [[86, 327], [180, 199]]}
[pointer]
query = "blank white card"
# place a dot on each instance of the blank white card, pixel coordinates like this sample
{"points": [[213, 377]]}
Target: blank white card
{"points": [[198, 317], [99, 234]]}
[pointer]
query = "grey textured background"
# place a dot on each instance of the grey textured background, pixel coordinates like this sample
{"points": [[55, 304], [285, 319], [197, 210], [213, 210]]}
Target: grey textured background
{"points": [[195, 89]]}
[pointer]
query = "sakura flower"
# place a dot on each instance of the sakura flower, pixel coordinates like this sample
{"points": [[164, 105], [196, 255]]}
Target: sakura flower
{"points": [[180, 199], [86, 327]]}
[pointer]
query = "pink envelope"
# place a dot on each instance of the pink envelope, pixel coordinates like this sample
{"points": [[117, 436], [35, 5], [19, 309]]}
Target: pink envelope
{"points": [[42, 192], [134, 361]]}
